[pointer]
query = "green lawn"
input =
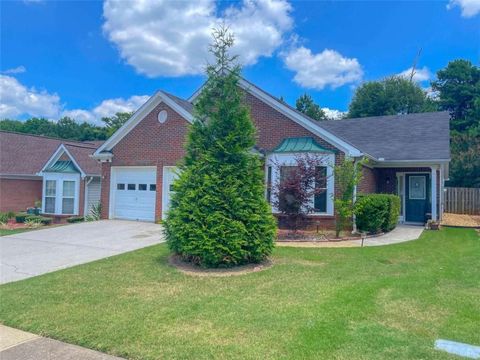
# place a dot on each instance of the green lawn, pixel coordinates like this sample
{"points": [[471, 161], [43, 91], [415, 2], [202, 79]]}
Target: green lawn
{"points": [[4, 232], [388, 302]]}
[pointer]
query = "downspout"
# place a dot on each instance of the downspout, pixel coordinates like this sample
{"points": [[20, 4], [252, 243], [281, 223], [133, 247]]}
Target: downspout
{"points": [[354, 199]]}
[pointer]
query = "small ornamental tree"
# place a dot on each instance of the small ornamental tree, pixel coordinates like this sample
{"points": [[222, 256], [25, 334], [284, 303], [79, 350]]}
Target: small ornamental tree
{"points": [[297, 186], [347, 175], [219, 216]]}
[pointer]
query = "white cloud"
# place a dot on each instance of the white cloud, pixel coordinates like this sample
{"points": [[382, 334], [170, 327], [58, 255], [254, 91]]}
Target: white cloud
{"points": [[170, 38], [18, 70], [469, 8], [17, 100], [333, 114], [420, 75], [107, 108], [328, 68], [80, 115]]}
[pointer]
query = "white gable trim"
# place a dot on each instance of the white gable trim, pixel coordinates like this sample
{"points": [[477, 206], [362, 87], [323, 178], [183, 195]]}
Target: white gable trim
{"points": [[347, 148], [138, 116], [56, 155]]}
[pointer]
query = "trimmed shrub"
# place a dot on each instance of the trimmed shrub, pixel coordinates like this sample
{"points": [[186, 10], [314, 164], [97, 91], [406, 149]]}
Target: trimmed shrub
{"points": [[20, 217], [377, 212], [37, 218], [393, 212], [75, 219]]}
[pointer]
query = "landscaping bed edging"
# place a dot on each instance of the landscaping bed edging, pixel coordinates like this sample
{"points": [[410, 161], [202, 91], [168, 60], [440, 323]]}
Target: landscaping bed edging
{"points": [[195, 270]]}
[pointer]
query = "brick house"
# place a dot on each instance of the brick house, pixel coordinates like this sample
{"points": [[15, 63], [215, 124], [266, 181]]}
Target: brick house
{"points": [[409, 154], [58, 173]]}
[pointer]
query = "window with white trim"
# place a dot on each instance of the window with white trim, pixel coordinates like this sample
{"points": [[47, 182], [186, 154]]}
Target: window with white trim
{"points": [[68, 197], [50, 193], [320, 200]]}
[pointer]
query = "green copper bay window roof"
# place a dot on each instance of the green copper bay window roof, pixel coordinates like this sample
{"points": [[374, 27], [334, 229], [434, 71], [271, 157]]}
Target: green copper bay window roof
{"points": [[300, 144], [62, 166]]}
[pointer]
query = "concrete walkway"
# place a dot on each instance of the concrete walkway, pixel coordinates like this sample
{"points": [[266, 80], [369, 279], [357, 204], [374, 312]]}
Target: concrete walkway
{"points": [[20, 345], [38, 252], [400, 234]]}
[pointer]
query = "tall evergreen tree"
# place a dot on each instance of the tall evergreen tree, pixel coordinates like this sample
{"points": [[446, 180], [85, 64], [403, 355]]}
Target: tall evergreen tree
{"points": [[306, 105], [219, 216], [458, 87]]}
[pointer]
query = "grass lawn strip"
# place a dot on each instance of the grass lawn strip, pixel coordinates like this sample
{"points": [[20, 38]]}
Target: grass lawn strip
{"points": [[389, 302]]}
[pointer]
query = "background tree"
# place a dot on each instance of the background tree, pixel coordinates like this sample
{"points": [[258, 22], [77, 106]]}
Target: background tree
{"points": [[390, 96], [218, 214], [458, 87], [65, 128], [306, 105], [113, 123]]}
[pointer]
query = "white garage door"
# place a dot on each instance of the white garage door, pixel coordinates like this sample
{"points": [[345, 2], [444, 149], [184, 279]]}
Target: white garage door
{"points": [[134, 193]]}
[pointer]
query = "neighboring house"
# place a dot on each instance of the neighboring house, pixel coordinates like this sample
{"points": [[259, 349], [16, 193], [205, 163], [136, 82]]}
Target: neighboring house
{"points": [[409, 154], [59, 173]]}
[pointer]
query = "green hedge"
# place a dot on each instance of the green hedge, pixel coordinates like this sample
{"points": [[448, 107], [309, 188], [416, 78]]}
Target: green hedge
{"points": [[22, 217], [377, 212], [75, 219]]}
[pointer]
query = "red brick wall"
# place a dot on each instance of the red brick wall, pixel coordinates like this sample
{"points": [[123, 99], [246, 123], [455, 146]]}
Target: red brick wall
{"points": [[153, 144], [17, 195], [368, 183]]}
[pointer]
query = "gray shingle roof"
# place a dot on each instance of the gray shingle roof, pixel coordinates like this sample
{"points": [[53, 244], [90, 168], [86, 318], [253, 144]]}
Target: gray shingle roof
{"points": [[27, 154], [422, 136]]}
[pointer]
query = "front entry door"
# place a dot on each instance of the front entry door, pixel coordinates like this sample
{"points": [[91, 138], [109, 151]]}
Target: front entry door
{"points": [[416, 197]]}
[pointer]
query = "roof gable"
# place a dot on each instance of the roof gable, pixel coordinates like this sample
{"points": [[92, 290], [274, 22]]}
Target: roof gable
{"points": [[57, 162], [182, 107]]}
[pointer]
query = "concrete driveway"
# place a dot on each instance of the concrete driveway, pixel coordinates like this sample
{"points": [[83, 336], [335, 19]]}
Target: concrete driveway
{"points": [[41, 251]]}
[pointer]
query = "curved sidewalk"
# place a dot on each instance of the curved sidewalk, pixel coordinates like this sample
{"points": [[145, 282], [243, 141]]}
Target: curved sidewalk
{"points": [[400, 234]]}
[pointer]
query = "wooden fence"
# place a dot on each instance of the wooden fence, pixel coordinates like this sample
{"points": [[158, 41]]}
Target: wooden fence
{"points": [[462, 200]]}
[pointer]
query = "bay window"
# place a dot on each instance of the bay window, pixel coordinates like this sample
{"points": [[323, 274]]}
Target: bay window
{"points": [[61, 193], [282, 165]]}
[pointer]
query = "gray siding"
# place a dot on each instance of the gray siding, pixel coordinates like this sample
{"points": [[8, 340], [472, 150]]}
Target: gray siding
{"points": [[93, 194]]}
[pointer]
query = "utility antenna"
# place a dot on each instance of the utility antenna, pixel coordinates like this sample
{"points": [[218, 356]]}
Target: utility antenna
{"points": [[414, 65]]}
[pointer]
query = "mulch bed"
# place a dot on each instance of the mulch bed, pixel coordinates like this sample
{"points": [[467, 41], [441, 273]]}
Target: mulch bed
{"points": [[461, 220], [195, 270], [313, 236], [12, 225]]}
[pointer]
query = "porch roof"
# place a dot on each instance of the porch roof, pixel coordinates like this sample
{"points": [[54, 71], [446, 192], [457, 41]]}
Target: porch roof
{"points": [[300, 144]]}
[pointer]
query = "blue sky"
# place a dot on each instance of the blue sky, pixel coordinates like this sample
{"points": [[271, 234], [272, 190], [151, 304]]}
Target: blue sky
{"points": [[88, 59]]}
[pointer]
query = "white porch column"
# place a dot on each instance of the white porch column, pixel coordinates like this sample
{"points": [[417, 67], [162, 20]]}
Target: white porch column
{"points": [[434, 192]]}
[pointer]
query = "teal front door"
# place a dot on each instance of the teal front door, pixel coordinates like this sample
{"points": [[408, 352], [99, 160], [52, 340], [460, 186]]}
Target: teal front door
{"points": [[417, 199]]}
